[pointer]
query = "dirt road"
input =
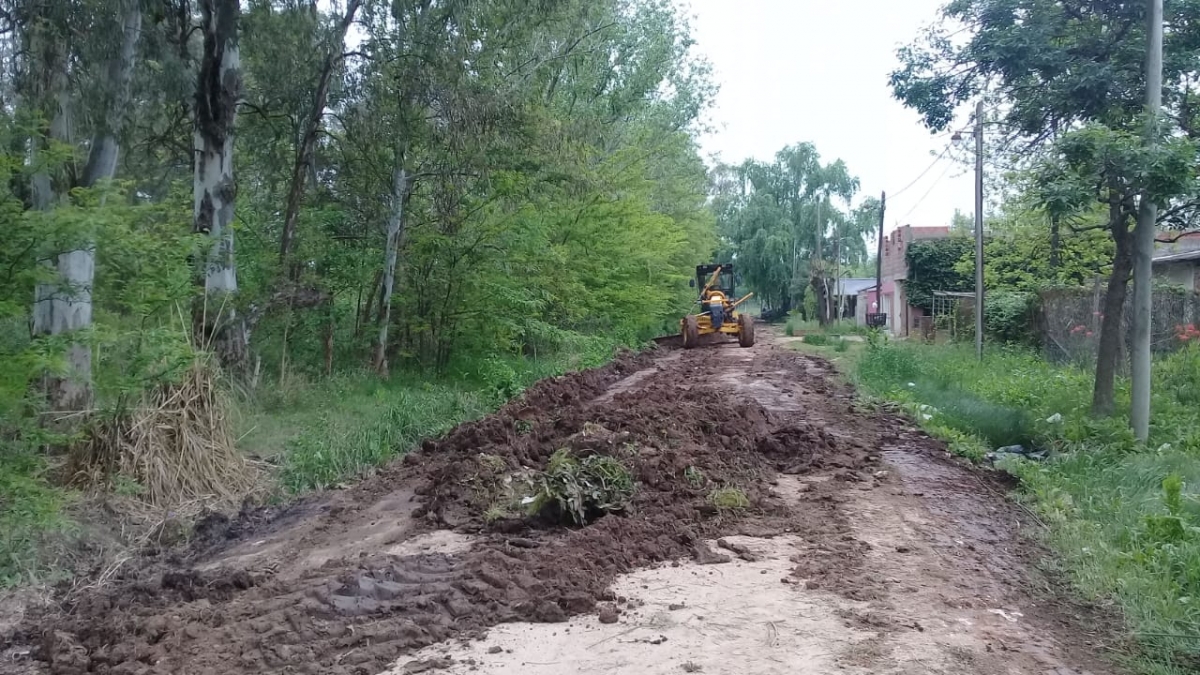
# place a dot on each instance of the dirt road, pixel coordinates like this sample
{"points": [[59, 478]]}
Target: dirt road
{"points": [[864, 550]]}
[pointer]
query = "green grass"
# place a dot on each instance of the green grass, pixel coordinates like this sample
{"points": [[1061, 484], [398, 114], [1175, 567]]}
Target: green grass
{"points": [[729, 499], [1118, 533], [328, 433], [31, 519]]}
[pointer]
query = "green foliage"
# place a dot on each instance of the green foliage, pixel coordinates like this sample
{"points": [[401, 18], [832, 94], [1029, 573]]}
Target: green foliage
{"points": [[729, 499], [31, 518], [367, 428], [1008, 317], [695, 477], [931, 268], [772, 214], [815, 339], [841, 345], [1096, 164], [582, 490], [810, 305], [1019, 251]]}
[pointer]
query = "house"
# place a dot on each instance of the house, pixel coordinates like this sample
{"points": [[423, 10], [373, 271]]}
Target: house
{"points": [[1177, 259], [846, 295], [902, 318]]}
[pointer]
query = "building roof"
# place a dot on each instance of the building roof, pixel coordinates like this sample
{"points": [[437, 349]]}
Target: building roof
{"points": [[1185, 256], [854, 286]]}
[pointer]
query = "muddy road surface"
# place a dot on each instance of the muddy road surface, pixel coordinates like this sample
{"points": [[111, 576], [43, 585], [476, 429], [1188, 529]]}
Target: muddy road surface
{"points": [[777, 526]]}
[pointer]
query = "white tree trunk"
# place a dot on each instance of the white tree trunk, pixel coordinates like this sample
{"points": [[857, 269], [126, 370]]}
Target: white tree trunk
{"points": [[64, 305], [218, 323], [395, 232]]}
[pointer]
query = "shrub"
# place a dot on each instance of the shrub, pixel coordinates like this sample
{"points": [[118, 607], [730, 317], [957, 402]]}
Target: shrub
{"points": [[841, 345], [1007, 317], [815, 339]]}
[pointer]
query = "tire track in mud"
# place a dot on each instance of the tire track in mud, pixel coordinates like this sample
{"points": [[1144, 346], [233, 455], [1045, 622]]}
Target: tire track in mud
{"points": [[353, 581], [265, 602]]}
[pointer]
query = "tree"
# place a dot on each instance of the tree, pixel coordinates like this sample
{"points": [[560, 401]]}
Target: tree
{"points": [[218, 92], [776, 219], [1050, 66], [63, 303]]}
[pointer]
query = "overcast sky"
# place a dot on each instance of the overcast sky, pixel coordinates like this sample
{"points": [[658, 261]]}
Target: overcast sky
{"points": [[808, 70]]}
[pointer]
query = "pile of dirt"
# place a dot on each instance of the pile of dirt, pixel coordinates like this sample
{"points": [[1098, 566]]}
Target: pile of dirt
{"points": [[681, 441]]}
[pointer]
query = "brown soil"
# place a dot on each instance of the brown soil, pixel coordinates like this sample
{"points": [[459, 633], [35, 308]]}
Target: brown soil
{"points": [[320, 587]]}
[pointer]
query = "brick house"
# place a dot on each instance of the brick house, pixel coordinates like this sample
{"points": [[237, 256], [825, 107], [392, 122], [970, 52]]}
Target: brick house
{"points": [[902, 318]]}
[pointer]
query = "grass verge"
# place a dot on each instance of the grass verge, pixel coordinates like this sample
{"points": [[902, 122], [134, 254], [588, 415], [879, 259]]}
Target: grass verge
{"points": [[1123, 519], [328, 433], [32, 515]]}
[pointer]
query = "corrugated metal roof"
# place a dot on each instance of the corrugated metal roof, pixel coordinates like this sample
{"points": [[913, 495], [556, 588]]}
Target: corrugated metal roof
{"points": [[854, 286], [1177, 257]]}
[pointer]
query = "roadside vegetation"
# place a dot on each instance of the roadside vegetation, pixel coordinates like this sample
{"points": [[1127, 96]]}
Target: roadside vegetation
{"points": [[1123, 519], [400, 215]]}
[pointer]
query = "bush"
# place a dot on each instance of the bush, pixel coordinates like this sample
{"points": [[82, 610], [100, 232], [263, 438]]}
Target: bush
{"points": [[815, 339], [841, 345], [1008, 317]]}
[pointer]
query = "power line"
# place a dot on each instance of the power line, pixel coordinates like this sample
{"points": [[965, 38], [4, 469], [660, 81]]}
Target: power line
{"points": [[927, 192], [916, 180]]}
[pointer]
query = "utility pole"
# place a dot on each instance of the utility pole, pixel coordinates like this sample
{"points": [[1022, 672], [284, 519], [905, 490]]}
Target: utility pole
{"points": [[879, 256], [1143, 236], [979, 230]]}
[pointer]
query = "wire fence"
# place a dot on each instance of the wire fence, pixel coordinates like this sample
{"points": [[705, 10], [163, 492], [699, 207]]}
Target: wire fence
{"points": [[1068, 322]]}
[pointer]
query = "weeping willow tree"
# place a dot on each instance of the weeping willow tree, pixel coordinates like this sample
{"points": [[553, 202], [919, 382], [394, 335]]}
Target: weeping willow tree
{"points": [[790, 225]]}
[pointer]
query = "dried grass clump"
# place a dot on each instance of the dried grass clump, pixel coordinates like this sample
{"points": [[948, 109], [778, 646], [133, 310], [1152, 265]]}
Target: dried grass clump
{"points": [[177, 446]]}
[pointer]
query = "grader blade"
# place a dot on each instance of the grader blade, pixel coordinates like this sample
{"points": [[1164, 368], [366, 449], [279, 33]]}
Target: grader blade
{"points": [[669, 341]]}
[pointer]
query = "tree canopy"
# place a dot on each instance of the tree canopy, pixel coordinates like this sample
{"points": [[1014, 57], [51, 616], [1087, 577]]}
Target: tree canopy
{"points": [[790, 220]]}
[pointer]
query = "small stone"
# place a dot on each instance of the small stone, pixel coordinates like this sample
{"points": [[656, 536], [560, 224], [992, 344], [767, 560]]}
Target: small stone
{"points": [[496, 649], [903, 549]]}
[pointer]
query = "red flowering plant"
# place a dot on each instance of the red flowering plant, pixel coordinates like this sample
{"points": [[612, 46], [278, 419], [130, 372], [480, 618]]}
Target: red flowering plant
{"points": [[1187, 333]]}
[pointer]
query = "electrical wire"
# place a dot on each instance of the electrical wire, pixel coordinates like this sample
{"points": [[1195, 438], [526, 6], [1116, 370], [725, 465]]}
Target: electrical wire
{"points": [[916, 180], [927, 193]]}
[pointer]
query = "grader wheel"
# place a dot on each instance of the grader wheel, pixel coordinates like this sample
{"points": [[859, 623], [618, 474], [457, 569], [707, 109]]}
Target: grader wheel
{"points": [[745, 330], [691, 332]]}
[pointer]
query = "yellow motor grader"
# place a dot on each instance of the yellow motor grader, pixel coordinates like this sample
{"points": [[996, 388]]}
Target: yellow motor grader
{"points": [[718, 315]]}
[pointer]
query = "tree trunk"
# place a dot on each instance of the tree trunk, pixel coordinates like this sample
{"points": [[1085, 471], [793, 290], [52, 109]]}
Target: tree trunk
{"points": [[66, 305], [822, 299], [218, 324], [368, 308], [1111, 323], [308, 140], [395, 231], [328, 337]]}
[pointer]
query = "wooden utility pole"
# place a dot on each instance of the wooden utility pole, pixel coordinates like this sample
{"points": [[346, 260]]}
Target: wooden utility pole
{"points": [[879, 256], [979, 230], [1143, 237]]}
